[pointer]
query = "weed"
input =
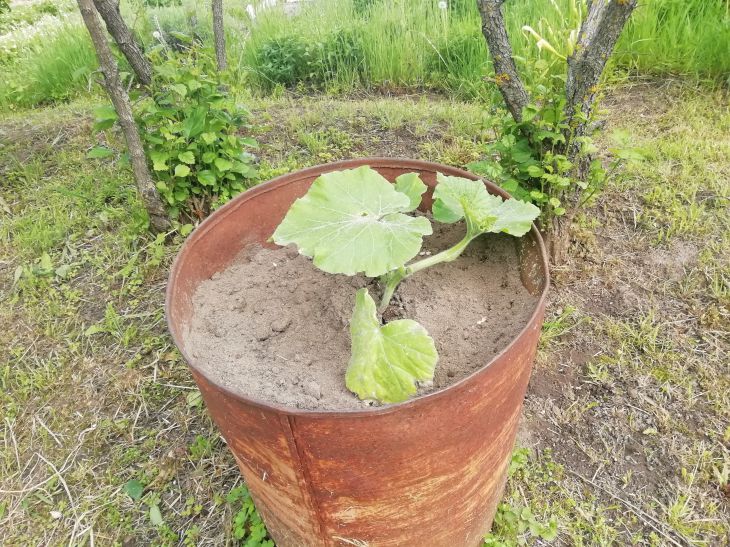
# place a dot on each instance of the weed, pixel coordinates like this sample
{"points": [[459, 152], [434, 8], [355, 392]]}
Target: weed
{"points": [[191, 135], [247, 524]]}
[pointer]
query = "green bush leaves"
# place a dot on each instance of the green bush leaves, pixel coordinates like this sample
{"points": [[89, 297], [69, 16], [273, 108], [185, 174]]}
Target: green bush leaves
{"points": [[191, 136]]}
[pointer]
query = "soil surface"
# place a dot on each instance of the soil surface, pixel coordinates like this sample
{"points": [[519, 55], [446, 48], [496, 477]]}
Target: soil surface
{"points": [[273, 327]]}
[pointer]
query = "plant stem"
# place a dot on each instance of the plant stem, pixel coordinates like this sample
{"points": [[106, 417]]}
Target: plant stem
{"points": [[391, 280]]}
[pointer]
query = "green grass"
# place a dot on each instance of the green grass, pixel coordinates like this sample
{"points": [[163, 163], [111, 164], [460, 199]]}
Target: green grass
{"points": [[689, 38], [52, 67], [404, 45], [413, 44]]}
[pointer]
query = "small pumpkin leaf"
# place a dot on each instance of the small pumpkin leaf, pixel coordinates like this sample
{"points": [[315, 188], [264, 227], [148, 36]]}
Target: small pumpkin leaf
{"points": [[387, 361], [456, 198], [411, 185]]}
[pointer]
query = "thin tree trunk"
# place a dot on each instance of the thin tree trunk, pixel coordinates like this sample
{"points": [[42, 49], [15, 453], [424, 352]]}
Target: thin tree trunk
{"points": [[115, 25], [219, 35], [120, 100], [598, 35], [505, 71]]}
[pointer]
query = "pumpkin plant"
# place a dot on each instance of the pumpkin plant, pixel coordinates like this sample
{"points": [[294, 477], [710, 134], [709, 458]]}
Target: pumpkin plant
{"points": [[355, 221]]}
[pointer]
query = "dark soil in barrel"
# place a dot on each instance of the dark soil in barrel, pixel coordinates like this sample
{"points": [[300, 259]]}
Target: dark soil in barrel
{"points": [[273, 327]]}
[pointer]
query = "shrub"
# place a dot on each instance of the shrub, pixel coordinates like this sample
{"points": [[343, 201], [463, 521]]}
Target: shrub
{"points": [[190, 131], [530, 159], [287, 61], [290, 61]]}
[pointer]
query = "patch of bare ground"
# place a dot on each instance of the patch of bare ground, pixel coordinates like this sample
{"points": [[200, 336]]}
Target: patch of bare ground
{"points": [[631, 390]]}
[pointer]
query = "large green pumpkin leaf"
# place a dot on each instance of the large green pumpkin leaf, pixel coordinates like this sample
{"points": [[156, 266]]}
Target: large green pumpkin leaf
{"points": [[387, 360], [456, 198], [353, 221]]}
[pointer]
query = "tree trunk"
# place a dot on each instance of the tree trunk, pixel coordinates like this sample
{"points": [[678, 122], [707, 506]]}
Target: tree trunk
{"points": [[219, 35], [115, 25], [505, 71], [598, 35], [120, 100]]}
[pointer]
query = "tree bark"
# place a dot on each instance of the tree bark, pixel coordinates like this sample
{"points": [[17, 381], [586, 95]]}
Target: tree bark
{"points": [[506, 76], [598, 35], [118, 95], [219, 35], [115, 25]]}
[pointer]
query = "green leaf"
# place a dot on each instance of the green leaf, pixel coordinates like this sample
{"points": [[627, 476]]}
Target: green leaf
{"points": [[352, 221], [195, 123], [250, 142], [99, 152], [457, 198], [535, 171], [209, 157], [223, 164], [155, 515], [45, 264], [411, 185], [194, 399], [19, 271], [180, 89], [194, 85], [387, 361], [206, 177], [105, 116], [514, 217], [94, 329], [134, 489], [208, 138], [63, 270], [186, 157], [159, 160], [182, 170]]}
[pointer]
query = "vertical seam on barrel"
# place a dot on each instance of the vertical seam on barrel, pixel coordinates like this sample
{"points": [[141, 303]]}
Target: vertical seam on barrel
{"points": [[305, 485]]}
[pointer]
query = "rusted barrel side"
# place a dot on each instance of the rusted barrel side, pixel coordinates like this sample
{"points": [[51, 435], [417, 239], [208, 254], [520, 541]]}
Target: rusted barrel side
{"points": [[426, 472]]}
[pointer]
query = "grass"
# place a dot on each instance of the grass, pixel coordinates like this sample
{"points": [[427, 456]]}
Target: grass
{"points": [[678, 37], [625, 435], [50, 67], [401, 46]]}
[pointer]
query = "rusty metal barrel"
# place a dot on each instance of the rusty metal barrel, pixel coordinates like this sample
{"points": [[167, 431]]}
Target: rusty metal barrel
{"points": [[426, 472]]}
